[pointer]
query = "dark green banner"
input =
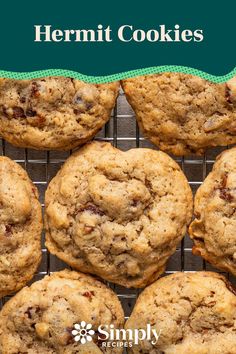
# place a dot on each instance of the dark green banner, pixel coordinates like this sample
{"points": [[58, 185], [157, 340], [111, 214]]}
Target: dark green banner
{"points": [[109, 37]]}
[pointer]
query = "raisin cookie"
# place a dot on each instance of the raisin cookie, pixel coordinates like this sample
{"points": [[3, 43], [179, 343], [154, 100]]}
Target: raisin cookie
{"points": [[192, 313], [117, 214], [54, 112], [214, 229], [183, 114], [20, 227], [41, 318]]}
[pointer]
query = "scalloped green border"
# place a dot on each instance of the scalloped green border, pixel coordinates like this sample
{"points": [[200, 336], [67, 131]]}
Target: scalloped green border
{"points": [[119, 76]]}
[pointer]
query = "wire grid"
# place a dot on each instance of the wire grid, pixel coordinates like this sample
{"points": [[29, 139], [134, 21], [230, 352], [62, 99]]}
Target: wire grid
{"points": [[123, 132]]}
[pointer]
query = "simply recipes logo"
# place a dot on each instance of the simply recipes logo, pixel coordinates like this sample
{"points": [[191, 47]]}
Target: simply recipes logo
{"points": [[109, 336], [83, 332], [125, 33]]}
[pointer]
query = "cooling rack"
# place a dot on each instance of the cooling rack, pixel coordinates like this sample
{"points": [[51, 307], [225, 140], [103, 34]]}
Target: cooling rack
{"points": [[122, 131]]}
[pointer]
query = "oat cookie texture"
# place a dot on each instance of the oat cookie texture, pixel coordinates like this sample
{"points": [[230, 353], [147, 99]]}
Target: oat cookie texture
{"points": [[20, 227], [194, 313], [213, 230], [117, 214], [54, 112], [183, 114], [40, 319]]}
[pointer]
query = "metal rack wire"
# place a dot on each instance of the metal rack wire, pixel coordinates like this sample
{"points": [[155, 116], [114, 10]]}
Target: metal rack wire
{"points": [[122, 131]]}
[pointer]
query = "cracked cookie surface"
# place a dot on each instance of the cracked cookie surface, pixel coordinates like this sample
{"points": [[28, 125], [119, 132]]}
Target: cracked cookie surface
{"points": [[20, 227], [117, 214], [54, 112], [40, 318], [183, 114], [192, 312], [213, 230]]}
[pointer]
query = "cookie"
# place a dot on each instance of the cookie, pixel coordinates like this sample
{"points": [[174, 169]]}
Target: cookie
{"points": [[54, 112], [183, 114], [213, 230], [191, 313], [41, 318], [20, 227], [117, 214]]}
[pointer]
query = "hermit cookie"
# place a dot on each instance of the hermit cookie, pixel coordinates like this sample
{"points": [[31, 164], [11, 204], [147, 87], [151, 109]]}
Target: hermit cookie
{"points": [[192, 313], [214, 229], [54, 112], [183, 114], [59, 314], [20, 227], [117, 214]]}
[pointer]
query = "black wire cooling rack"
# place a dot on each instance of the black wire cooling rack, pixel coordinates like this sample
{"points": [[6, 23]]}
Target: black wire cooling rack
{"points": [[122, 131]]}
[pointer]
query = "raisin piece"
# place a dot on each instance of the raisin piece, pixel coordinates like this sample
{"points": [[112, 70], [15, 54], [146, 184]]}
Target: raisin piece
{"points": [[83, 104], [78, 99], [36, 121], [34, 89], [28, 312], [224, 191], [89, 294], [30, 112], [4, 111], [225, 194], [32, 311], [8, 229], [134, 203], [78, 111], [228, 95], [70, 338], [94, 209], [224, 181], [91, 208], [18, 112], [23, 99], [89, 105]]}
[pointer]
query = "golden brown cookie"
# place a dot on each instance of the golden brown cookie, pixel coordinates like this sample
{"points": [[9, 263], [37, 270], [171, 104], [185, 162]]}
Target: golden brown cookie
{"points": [[117, 214], [191, 313], [20, 227], [41, 318], [183, 114], [214, 229], [54, 112]]}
